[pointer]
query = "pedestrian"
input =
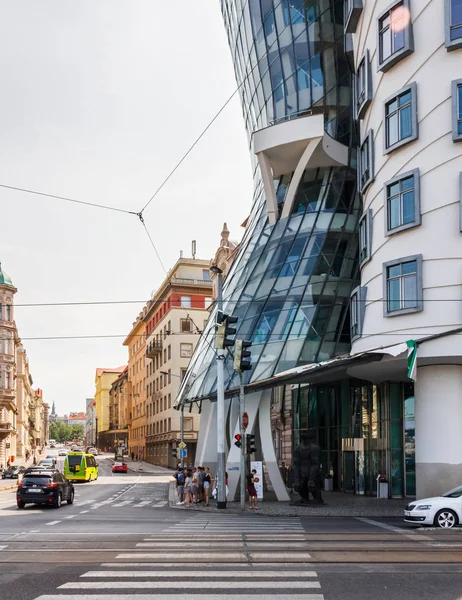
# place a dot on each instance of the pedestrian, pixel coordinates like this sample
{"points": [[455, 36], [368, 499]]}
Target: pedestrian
{"points": [[187, 488], [133, 456], [251, 489], [180, 480], [207, 483], [200, 472], [290, 479], [195, 486], [283, 472]]}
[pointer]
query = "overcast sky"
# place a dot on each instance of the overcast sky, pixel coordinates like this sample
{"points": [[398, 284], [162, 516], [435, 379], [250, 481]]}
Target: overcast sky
{"points": [[100, 99]]}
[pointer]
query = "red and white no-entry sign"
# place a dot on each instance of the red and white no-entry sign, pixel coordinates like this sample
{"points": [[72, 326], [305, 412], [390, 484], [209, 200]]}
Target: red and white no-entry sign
{"points": [[245, 420]]}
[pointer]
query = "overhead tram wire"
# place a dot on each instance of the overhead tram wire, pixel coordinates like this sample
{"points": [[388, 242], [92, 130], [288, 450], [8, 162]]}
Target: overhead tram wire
{"points": [[64, 198]]}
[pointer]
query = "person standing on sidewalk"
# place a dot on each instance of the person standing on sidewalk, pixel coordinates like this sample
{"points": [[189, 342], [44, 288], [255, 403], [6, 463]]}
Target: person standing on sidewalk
{"points": [[207, 484], [187, 488], [180, 479], [251, 489]]}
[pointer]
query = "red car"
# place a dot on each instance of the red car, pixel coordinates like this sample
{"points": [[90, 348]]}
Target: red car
{"points": [[119, 467]]}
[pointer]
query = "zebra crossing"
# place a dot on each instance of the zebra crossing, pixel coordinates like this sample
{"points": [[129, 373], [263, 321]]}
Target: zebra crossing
{"points": [[132, 503], [215, 566], [239, 523]]}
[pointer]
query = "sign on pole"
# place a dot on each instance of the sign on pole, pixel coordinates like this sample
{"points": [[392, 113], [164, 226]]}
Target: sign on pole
{"points": [[258, 466], [183, 453], [182, 445], [245, 420]]}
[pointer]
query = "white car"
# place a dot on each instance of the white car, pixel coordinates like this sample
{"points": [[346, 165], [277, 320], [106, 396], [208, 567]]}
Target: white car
{"points": [[442, 511]]}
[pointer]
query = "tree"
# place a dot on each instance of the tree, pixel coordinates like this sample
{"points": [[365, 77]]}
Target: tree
{"points": [[64, 433]]}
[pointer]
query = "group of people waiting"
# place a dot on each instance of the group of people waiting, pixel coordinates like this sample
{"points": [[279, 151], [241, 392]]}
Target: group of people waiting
{"points": [[194, 485]]}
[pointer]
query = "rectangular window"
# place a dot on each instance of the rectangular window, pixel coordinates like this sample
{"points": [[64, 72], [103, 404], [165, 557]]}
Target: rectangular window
{"points": [[208, 302], [365, 237], [186, 301], [453, 24], [8, 312], [402, 202], [366, 161], [186, 350], [185, 326], [7, 380], [457, 110], [1, 312], [352, 12], [357, 310], [183, 373], [395, 39], [363, 86], [400, 118], [169, 352], [169, 424], [206, 275], [403, 285]]}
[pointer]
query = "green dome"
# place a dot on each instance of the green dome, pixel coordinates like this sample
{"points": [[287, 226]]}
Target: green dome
{"points": [[5, 279]]}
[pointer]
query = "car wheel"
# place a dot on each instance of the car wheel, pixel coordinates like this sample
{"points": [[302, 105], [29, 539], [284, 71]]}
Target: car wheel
{"points": [[446, 519], [70, 500], [59, 500], [21, 504]]}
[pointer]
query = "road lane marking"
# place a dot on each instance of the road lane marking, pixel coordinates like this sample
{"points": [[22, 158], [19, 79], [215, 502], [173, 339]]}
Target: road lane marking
{"points": [[3, 548], [53, 523], [84, 511], [70, 517], [200, 574], [178, 585], [404, 532], [184, 596], [185, 558]]}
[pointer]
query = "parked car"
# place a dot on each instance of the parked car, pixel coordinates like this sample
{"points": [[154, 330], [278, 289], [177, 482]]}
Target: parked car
{"points": [[47, 462], [13, 471], [44, 487], [441, 511], [119, 467]]}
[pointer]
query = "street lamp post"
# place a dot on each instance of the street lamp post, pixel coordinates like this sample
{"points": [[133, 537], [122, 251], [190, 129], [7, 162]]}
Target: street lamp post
{"points": [[221, 496]]}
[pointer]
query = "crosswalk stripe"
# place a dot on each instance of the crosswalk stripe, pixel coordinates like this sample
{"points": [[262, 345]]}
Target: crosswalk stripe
{"points": [[211, 564], [143, 503], [195, 544], [186, 596], [179, 585], [201, 574], [186, 558]]}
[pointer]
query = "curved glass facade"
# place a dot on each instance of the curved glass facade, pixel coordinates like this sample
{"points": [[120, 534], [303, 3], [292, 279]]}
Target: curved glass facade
{"points": [[291, 281]]}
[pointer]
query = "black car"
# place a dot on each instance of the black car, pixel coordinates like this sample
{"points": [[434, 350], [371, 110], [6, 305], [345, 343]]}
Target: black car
{"points": [[13, 472], [44, 487]]}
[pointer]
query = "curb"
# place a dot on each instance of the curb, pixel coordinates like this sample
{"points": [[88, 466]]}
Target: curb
{"points": [[261, 512], [8, 488]]}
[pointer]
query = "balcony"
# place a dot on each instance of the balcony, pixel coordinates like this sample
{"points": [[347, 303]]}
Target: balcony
{"points": [[6, 429], [194, 282], [154, 347]]}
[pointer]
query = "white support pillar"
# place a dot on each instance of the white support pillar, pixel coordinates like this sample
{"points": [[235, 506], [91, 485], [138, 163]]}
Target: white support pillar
{"points": [[269, 454], [252, 402], [438, 427], [268, 185], [206, 454]]}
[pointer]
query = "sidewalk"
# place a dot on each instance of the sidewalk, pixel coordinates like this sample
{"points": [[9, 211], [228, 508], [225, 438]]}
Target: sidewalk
{"points": [[337, 505], [137, 466]]}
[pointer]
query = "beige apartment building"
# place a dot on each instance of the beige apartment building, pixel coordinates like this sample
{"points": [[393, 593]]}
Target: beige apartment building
{"points": [[136, 388], [104, 379], [118, 410], [174, 320]]}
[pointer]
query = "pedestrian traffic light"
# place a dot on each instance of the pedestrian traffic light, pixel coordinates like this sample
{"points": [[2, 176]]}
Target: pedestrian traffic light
{"points": [[238, 440], [250, 443], [175, 452], [242, 356], [224, 331]]}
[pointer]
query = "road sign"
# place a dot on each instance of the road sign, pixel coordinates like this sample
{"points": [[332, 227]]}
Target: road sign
{"points": [[183, 453], [245, 420], [182, 445]]}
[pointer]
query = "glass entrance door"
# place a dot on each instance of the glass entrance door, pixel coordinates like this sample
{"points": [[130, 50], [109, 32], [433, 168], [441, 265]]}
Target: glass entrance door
{"points": [[349, 483]]}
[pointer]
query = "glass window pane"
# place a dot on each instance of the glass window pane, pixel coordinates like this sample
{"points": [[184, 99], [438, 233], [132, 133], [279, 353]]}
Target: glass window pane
{"points": [[393, 190], [408, 207], [408, 183], [405, 98], [394, 271], [394, 295], [410, 291], [392, 106], [392, 130], [456, 12], [456, 33], [409, 267], [398, 36], [394, 213], [386, 44], [405, 122]]}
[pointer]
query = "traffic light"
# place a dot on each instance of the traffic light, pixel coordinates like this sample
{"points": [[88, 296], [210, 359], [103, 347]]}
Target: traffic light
{"points": [[224, 330], [242, 356], [175, 453], [250, 443], [238, 440]]}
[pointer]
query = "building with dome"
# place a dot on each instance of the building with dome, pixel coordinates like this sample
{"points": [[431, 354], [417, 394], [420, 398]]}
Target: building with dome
{"points": [[22, 412]]}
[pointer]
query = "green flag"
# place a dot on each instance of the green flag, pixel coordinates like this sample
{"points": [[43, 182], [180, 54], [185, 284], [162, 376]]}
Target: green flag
{"points": [[412, 359]]}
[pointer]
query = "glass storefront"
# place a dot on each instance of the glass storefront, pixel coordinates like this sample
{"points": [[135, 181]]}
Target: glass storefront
{"points": [[364, 431]]}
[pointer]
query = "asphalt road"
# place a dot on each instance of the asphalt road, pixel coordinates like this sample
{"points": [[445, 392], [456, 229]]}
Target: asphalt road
{"points": [[120, 540]]}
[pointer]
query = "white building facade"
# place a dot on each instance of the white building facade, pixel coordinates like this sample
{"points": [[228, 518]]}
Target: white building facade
{"points": [[408, 100]]}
